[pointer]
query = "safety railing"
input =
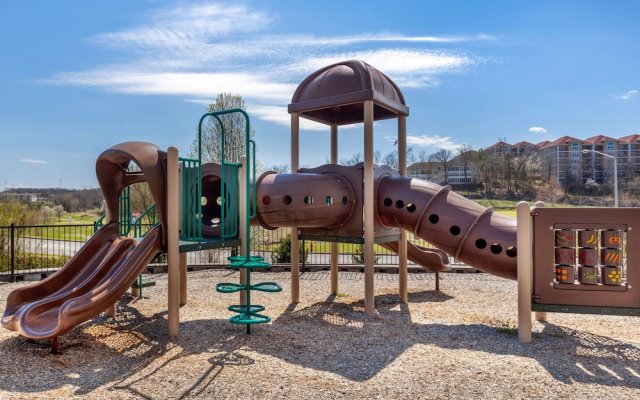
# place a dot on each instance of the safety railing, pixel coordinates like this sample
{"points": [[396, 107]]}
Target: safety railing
{"points": [[124, 203], [147, 220], [124, 206], [191, 228], [229, 200]]}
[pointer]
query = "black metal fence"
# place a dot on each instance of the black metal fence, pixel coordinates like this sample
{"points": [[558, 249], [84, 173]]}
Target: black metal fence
{"points": [[43, 248]]}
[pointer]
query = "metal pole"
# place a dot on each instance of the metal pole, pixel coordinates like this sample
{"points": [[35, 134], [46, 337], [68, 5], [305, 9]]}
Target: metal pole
{"points": [[242, 230], [334, 246], [295, 246], [615, 182], [402, 244], [173, 247], [369, 298], [524, 262]]}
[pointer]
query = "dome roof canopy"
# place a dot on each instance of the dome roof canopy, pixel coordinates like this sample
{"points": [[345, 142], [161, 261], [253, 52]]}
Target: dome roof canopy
{"points": [[336, 94]]}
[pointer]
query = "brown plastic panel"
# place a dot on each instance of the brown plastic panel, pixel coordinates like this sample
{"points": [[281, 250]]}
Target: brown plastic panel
{"points": [[588, 289]]}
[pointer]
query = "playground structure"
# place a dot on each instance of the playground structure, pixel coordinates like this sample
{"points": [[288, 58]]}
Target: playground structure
{"points": [[204, 206]]}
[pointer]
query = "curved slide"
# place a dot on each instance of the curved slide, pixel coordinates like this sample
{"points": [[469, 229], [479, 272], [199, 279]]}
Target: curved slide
{"points": [[93, 280], [433, 259]]}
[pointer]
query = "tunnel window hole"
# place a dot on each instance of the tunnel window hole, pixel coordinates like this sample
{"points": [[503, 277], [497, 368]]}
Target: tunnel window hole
{"points": [[434, 218], [219, 200], [388, 202], [308, 200], [399, 204], [455, 230], [203, 201], [411, 207], [481, 243], [512, 251], [266, 200], [496, 248], [286, 200], [328, 200], [345, 200]]}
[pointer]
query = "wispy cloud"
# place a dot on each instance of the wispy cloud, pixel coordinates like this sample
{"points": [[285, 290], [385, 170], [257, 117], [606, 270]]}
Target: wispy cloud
{"points": [[537, 129], [196, 51], [435, 141], [628, 95], [32, 161]]}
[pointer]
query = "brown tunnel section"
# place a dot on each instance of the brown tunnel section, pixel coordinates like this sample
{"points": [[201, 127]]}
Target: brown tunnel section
{"points": [[211, 208], [304, 200], [113, 177], [460, 227]]}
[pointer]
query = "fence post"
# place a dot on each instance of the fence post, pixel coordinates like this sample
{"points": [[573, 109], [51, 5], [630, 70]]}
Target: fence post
{"points": [[304, 256], [13, 252]]}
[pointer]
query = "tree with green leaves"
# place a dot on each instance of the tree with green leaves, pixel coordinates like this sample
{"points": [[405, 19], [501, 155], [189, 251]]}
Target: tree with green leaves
{"points": [[234, 131]]}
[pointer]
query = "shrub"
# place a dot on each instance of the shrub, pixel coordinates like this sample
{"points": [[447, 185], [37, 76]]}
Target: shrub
{"points": [[358, 256], [282, 253]]}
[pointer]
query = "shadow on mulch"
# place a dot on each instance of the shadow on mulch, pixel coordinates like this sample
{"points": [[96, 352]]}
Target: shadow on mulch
{"points": [[326, 336]]}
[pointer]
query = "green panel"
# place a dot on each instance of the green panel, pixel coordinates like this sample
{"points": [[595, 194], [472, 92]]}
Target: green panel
{"points": [[230, 287], [250, 319], [269, 287], [244, 309]]}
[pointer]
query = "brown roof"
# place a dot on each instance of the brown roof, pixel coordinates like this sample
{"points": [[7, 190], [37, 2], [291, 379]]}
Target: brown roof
{"points": [[496, 145], [562, 140], [599, 139], [335, 94], [542, 144], [630, 138], [524, 143]]}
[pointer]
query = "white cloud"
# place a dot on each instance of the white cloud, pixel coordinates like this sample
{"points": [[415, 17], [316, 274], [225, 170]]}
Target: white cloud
{"points": [[537, 129], [195, 51], [32, 161], [437, 141], [627, 95]]}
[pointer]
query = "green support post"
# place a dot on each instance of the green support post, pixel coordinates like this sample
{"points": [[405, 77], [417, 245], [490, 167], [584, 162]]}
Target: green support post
{"points": [[248, 314]]}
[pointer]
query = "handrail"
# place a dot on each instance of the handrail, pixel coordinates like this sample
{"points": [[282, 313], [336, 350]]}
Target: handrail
{"points": [[253, 205], [137, 225]]}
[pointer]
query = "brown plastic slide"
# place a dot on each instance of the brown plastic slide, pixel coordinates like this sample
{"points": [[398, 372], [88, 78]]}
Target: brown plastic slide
{"points": [[107, 265], [433, 259], [93, 280]]}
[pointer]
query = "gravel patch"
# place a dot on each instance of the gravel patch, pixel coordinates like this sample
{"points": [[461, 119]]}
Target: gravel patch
{"points": [[460, 342]]}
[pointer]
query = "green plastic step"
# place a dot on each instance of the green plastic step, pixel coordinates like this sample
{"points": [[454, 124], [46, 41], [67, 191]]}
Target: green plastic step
{"points": [[270, 287], [244, 309], [250, 319], [244, 264], [243, 258], [230, 287]]}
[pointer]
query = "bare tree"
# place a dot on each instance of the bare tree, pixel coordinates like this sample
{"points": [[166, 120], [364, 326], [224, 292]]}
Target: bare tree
{"points": [[234, 131], [355, 159], [443, 156], [465, 153]]}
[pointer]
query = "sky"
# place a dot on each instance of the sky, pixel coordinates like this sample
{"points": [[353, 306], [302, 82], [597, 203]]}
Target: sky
{"points": [[79, 77]]}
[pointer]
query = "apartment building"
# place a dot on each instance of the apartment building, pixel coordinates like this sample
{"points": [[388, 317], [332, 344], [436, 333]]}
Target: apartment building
{"points": [[566, 157], [457, 173]]}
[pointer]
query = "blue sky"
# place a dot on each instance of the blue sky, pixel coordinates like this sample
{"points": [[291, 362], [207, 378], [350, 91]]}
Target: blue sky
{"points": [[78, 77]]}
